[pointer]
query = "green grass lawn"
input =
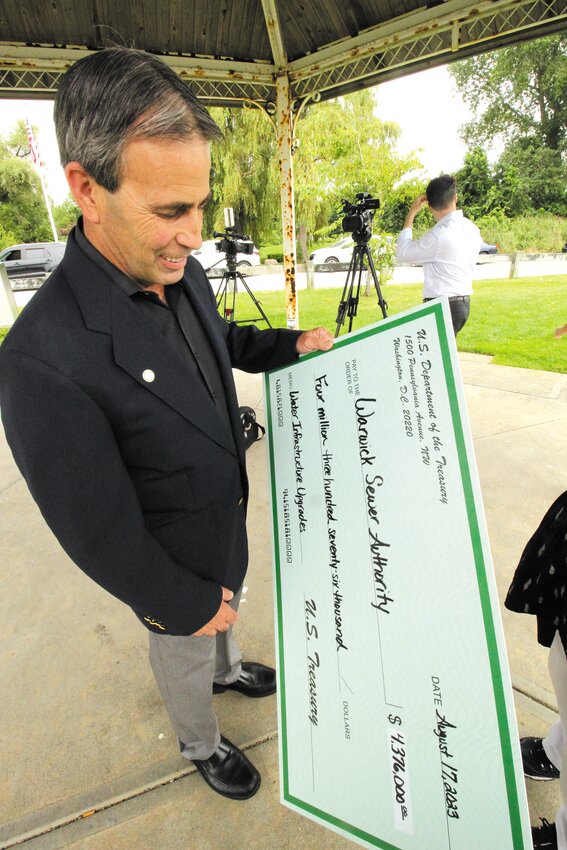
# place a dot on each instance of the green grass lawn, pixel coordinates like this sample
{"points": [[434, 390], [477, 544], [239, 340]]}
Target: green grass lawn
{"points": [[512, 320]]}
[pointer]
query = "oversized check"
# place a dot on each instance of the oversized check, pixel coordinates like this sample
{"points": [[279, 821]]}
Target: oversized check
{"points": [[397, 725]]}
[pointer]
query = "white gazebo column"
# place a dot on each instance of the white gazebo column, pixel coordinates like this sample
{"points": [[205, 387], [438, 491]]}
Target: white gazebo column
{"points": [[8, 307], [284, 133]]}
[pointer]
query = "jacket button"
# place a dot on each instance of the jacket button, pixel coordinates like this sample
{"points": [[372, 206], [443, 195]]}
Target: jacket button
{"points": [[241, 501], [148, 375]]}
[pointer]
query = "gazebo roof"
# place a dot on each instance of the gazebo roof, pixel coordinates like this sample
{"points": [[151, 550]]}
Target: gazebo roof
{"points": [[232, 51]]}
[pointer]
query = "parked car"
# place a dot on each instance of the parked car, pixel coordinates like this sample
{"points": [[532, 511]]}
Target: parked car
{"points": [[338, 252], [209, 257], [341, 251], [485, 248], [33, 258]]}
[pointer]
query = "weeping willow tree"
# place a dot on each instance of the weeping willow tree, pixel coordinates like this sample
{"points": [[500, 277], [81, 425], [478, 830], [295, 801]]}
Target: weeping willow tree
{"points": [[342, 148], [245, 173]]}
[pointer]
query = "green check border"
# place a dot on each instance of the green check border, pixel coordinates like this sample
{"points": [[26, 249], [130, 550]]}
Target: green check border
{"points": [[435, 308]]}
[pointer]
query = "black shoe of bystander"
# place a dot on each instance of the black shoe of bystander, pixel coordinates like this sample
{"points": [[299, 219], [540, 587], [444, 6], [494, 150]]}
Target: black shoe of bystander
{"points": [[544, 837], [535, 761]]}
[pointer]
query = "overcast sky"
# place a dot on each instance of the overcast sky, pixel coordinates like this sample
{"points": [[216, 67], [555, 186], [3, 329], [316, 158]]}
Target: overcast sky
{"points": [[430, 112], [426, 105]]}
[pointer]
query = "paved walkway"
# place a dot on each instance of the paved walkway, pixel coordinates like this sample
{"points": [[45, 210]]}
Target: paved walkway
{"points": [[88, 758]]}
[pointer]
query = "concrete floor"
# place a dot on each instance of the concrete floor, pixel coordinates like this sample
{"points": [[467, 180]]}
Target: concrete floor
{"points": [[82, 726]]}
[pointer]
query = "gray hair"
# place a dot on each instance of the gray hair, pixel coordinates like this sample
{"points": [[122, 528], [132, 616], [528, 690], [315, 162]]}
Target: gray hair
{"points": [[118, 94]]}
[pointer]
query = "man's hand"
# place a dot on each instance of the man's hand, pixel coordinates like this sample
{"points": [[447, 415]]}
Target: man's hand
{"points": [[224, 617], [419, 203], [318, 339]]}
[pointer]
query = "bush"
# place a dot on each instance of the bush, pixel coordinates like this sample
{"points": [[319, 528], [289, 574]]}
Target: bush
{"points": [[272, 252], [7, 238], [538, 233], [383, 249]]}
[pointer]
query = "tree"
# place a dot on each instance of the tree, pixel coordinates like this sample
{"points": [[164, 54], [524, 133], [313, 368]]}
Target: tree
{"points": [[245, 173], [475, 184], [397, 203], [65, 216], [17, 142], [342, 149], [383, 249], [22, 208], [530, 176], [519, 96], [517, 92], [7, 238]]}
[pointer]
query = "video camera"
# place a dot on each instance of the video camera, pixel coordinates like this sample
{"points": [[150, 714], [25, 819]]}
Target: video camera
{"points": [[358, 217], [232, 243]]}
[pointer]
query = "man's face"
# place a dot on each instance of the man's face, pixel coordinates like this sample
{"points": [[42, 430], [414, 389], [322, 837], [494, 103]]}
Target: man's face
{"points": [[150, 225]]}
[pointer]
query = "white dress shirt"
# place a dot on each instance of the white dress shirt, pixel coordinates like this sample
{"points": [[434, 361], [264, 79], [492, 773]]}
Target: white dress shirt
{"points": [[448, 253]]}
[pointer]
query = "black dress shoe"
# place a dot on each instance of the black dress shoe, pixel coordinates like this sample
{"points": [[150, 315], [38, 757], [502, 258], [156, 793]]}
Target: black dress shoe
{"points": [[229, 772], [256, 680], [544, 837], [535, 761]]}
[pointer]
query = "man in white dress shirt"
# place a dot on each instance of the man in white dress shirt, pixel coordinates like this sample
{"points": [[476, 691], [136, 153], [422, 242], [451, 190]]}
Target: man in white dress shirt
{"points": [[448, 252]]}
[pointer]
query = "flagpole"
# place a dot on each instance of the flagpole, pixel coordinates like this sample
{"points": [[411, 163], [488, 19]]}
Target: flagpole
{"points": [[47, 204], [34, 150]]}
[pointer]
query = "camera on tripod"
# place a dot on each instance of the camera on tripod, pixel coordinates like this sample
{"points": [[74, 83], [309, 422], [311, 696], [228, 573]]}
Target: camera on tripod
{"points": [[358, 216], [358, 221], [232, 243]]}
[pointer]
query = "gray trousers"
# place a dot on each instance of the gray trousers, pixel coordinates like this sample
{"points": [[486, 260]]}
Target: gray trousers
{"points": [[185, 669]]}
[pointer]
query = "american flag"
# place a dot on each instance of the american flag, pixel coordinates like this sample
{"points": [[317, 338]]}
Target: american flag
{"points": [[34, 150]]}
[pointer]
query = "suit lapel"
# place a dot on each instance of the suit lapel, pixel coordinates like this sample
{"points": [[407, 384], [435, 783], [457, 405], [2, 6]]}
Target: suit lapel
{"points": [[141, 351], [144, 354], [200, 299]]}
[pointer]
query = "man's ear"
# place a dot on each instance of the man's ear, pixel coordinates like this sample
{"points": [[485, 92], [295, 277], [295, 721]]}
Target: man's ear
{"points": [[85, 191]]}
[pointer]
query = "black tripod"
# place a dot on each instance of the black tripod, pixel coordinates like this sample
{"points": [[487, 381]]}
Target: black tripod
{"points": [[229, 286], [348, 304]]}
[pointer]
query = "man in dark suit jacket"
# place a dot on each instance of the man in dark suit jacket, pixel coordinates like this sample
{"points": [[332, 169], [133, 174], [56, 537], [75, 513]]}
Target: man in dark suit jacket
{"points": [[118, 399]]}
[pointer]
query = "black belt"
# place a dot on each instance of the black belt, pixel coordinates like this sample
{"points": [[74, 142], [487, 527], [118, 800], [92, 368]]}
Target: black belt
{"points": [[465, 298]]}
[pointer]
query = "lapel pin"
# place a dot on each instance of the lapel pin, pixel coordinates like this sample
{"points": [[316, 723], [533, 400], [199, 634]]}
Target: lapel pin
{"points": [[148, 375]]}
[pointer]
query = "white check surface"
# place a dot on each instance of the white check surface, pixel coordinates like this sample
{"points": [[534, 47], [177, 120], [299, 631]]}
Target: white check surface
{"points": [[397, 725]]}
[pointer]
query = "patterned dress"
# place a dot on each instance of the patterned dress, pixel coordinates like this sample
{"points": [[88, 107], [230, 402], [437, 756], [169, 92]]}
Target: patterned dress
{"points": [[539, 586]]}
